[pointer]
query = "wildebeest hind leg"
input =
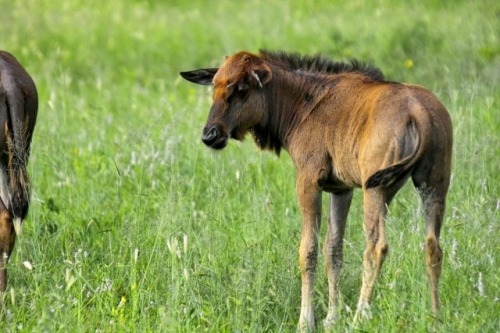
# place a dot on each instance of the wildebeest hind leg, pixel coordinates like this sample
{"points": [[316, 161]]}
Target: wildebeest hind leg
{"points": [[7, 240], [375, 211], [432, 179], [434, 205]]}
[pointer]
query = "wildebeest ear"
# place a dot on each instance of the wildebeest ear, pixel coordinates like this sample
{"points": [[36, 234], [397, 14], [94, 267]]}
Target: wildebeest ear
{"points": [[202, 76], [261, 74]]}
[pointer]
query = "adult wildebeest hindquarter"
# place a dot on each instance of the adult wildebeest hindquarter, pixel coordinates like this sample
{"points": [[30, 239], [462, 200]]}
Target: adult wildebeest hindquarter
{"points": [[344, 126], [18, 112]]}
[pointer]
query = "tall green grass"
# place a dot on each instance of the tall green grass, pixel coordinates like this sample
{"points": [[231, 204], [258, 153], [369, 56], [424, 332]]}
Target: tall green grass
{"points": [[135, 226]]}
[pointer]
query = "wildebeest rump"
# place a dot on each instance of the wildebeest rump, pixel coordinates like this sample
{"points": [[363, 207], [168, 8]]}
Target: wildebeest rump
{"points": [[344, 126], [18, 112]]}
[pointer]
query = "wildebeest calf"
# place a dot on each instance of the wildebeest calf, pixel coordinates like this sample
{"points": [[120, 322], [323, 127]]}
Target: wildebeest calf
{"points": [[344, 126], [18, 112]]}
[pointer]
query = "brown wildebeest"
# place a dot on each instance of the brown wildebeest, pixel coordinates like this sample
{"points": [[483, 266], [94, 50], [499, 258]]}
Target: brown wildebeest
{"points": [[18, 111], [344, 126]]}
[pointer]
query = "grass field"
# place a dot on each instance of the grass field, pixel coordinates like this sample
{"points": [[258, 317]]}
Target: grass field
{"points": [[135, 226]]}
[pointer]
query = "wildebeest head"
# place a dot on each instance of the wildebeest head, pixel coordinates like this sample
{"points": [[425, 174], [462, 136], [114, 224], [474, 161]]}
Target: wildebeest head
{"points": [[238, 104]]}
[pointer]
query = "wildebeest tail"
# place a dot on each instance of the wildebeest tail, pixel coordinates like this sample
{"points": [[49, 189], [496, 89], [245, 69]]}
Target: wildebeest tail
{"points": [[388, 176], [413, 144], [18, 181]]}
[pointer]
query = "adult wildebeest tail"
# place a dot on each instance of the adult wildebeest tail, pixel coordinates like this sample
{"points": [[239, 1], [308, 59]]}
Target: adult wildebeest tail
{"points": [[18, 111], [411, 144], [15, 175]]}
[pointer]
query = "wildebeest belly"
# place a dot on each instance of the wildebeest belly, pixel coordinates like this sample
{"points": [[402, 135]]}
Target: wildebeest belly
{"points": [[335, 181]]}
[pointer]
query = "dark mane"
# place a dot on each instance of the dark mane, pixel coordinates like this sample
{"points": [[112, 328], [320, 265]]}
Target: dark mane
{"points": [[320, 64]]}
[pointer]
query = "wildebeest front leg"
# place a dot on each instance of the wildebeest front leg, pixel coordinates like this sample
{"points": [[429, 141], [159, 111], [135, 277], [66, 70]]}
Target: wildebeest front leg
{"points": [[309, 196], [7, 240], [375, 211], [333, 251]]}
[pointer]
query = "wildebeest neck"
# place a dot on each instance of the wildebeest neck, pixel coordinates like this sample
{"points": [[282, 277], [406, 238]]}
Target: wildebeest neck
{"points": [[290, 97]]}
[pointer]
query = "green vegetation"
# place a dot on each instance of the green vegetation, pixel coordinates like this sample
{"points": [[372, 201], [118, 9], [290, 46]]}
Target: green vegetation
{"points": [[135, 226]]}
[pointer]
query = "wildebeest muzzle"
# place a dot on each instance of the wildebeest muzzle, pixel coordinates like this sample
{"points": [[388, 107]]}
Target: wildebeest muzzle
{"points": [[214, 136]]}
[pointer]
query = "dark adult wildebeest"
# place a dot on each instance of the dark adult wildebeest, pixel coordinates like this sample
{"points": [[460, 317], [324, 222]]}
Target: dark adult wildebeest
{"points": [[344, 126], [18, 111]]}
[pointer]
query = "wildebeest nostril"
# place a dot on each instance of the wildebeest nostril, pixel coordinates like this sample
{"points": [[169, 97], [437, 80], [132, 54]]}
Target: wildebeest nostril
{"points": [[210, 136]]}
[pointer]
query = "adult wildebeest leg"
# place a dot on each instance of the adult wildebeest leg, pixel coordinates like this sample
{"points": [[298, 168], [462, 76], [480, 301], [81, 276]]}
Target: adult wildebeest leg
{"points": [[333, 251], [375, 211], [7, 233], [7, 240], [309, 197]]}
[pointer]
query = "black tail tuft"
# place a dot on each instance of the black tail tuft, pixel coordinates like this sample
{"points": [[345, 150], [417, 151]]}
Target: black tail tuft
{"points": [[387, 177], [20, 195]]}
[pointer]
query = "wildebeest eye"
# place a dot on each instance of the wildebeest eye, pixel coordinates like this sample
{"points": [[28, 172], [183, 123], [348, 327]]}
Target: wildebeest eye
{"points": [[239, 91], [232, 97]]}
